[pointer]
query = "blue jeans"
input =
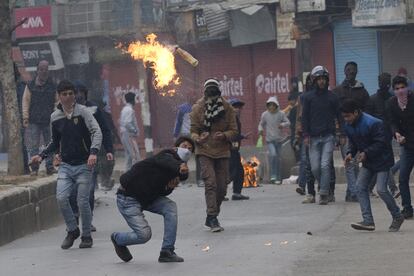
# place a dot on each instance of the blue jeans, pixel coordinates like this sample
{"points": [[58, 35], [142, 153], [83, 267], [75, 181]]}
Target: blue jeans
{"points": [[305, 172], [275, 157], [364, 179], [351, 172], [73, 197], [71, 178], [321, 156], [32, 140], [131, 210], [396, 167], [406, 166]]}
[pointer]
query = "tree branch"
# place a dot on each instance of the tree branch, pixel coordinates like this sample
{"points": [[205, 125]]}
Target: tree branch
{"points": [[19, 24]]}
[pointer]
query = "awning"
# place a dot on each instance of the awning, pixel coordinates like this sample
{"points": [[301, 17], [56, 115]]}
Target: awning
{"points": [[214, 20], [227, 5]]}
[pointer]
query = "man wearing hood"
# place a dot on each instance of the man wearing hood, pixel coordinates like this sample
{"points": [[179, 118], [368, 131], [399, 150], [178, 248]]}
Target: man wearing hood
{"points": [[145, 187], [213, 126], [401, 111], [320, 110], [272, 122], [351, 88]]}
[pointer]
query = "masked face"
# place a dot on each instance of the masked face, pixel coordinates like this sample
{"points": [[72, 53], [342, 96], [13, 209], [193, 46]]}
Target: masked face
{"points": [[400, 90], [212, 92], [184, 154]]}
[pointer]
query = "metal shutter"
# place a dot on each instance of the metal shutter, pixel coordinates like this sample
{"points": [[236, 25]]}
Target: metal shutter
{"points": [[359, 45], [397, 51]]}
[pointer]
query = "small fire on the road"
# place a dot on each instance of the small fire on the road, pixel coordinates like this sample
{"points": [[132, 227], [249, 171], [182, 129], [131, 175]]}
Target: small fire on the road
{"points": [[161, 59], [250, 172]]}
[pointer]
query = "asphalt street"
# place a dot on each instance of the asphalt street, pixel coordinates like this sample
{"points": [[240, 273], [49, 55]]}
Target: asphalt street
{"points": [[270, 234]]}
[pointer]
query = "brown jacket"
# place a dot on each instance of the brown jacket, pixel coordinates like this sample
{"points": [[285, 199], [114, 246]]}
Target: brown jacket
{"points": [[227, 124]]}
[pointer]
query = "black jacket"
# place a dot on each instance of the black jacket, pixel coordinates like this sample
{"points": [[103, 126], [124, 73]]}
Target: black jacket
{"points": [[103, 124], [75, 138], [320, 110], [403, 121], [236, 140], [42, 102], [148, 179], [377, 107], [367, 135], [356, 92]]}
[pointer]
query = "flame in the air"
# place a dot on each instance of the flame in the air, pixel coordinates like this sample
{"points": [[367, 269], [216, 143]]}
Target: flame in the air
{"points": [[160, 58]]}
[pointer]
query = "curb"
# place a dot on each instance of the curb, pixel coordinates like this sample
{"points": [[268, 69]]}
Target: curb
{"points": [[28, 208]]}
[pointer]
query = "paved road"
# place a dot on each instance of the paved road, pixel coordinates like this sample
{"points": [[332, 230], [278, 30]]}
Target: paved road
{"points": [[266, 235]]}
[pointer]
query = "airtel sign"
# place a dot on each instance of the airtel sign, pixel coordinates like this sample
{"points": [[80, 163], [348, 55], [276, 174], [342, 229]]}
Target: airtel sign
{"points": [[38, 23]]}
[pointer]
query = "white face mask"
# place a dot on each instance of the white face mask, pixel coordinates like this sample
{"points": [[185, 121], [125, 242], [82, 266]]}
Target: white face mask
{"points": [[184, 154]]}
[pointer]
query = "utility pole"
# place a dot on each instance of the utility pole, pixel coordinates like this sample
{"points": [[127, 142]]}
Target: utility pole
{"points": [[143, 87], [8, 92]]}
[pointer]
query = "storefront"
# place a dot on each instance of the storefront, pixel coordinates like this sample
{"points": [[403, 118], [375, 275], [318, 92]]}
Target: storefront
{"points": [[251, 73], [361, 46]]}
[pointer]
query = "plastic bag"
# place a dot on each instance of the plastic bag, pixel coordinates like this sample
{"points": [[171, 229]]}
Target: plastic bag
{"points": [[259, 143]]}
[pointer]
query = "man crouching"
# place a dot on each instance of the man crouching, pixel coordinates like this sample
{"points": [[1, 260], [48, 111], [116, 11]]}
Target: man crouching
{"points": [[145, 187]]}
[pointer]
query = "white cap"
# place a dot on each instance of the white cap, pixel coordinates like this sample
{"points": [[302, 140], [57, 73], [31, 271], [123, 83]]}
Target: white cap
{"points": [[273, 99], [211, 82]]}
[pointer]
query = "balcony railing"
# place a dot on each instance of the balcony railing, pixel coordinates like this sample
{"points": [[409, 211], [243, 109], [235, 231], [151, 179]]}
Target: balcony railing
{"points": [[94, 17]]}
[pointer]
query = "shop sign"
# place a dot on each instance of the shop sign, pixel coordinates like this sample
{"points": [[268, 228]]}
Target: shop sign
{"points": [[33, 52], [370, 13], [38, 22]]}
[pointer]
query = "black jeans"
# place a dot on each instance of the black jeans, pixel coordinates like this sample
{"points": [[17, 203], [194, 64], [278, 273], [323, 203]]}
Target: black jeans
{"points": [[236, 171]]}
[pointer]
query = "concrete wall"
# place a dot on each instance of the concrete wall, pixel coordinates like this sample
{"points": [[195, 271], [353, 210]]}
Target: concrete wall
{"points": [[27, 208]]}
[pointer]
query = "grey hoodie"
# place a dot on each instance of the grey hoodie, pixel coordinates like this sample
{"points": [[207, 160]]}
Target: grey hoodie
{"points": [[270, 122]]}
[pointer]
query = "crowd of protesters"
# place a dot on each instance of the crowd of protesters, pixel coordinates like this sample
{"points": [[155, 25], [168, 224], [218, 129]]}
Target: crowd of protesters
{"points": [[363, 127], [79, 137]]}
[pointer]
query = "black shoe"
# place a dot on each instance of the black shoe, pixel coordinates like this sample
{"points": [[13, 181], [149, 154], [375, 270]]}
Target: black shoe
{"points": [[213, 224], [225, 198], [93, 228], [331, 198], [239, 197], [122, 251], [300, 191], [408, 214], [396, 224], [323, 200], [70, 238], [169, 256], [363, 226], [86, 242]]}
